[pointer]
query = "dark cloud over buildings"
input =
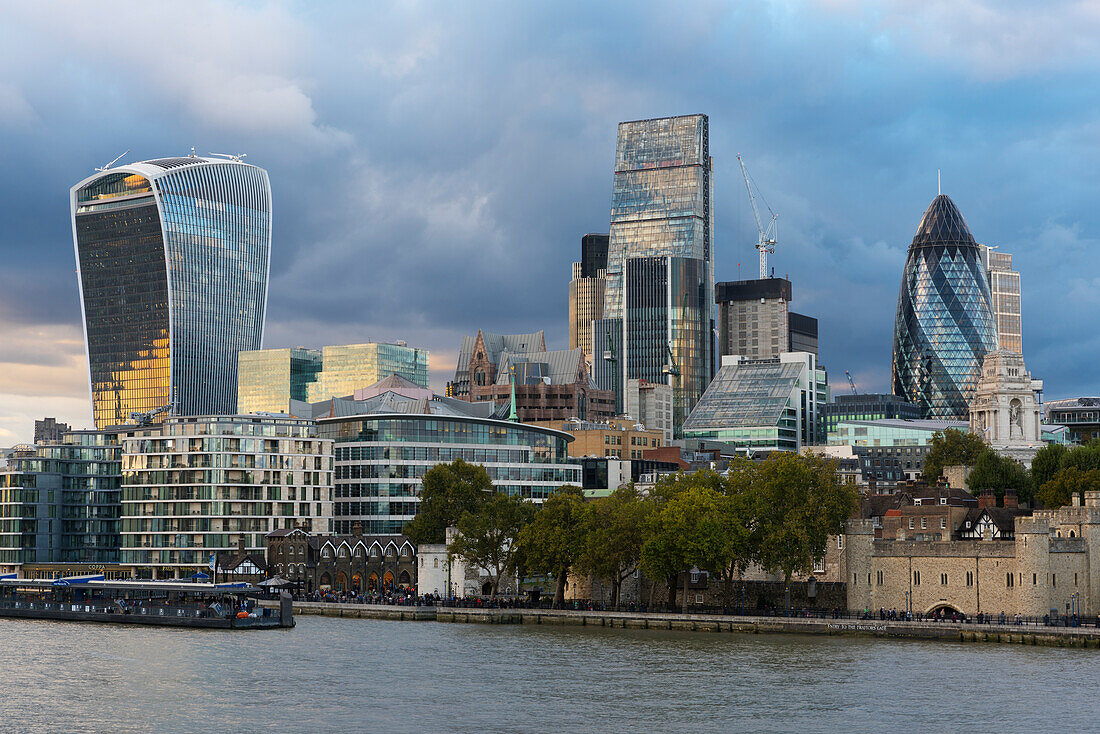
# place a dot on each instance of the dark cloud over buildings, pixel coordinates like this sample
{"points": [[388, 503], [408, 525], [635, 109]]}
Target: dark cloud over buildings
{"points": [[434, 165]]}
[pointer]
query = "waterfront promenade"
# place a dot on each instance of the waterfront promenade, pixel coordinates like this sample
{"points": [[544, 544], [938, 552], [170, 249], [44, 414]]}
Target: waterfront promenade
{"points": [[1025, 634]]}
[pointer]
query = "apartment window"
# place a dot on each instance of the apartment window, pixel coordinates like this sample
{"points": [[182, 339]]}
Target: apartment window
{"points": [[943, 500], [694, 577], [924, 523], [819, 565], [910, 523], [943, 579], [943, 523], [698, 598], [840, 542]]}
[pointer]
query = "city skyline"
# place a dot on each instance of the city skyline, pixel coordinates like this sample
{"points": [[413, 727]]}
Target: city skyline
{"points": [[449, 192]]}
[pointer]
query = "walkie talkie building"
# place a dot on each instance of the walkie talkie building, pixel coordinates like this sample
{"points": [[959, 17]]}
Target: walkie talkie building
{"points": [[944, 325], [173, 258]]}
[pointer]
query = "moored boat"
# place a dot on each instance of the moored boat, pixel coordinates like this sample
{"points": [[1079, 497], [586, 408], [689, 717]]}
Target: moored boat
{"points": [[166, 603]]}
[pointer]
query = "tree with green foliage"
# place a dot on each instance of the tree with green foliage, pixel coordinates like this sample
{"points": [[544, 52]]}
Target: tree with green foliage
{"points": [[614, 531], [488, 537], [555, 540], [448, 491], [799, 502], [1070, 481], [1047, 462], [672, 542], [948, 448], [996, 472], [1085, 457]]}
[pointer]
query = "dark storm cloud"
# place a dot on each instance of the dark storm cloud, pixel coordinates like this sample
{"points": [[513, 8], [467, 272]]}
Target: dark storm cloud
{"points": [[435, 164]]}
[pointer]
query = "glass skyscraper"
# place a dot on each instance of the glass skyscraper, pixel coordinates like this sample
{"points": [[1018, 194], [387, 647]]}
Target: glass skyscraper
{"points": [[268, 379], [944, 325], [173, 258], [661, 213]]}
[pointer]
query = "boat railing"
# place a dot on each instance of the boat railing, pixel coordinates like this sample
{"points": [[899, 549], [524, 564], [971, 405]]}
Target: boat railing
{"points": [[174, 610]]}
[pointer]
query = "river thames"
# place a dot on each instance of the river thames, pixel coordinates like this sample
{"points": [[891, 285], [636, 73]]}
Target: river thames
{"points": [[363, 675]]}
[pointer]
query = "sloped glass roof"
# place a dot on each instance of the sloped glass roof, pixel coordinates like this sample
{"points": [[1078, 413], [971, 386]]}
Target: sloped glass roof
{"points": [[942, 224], [753, 394]]}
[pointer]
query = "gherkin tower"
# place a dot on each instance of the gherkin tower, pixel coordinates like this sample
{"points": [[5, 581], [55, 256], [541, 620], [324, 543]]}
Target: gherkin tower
{"points": [[944, 325]]}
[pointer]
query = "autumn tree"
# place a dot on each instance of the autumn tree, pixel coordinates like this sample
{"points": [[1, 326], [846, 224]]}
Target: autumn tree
{"points": [[948, 448], [555, 540], [448, 491], [488, 537], [1066, 484]]}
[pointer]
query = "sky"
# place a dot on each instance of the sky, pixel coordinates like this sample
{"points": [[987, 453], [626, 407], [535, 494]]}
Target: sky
{"points": [[434, 164]]}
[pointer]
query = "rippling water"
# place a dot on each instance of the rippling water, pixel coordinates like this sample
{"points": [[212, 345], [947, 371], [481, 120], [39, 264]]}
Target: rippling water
{"points": [[364, 675]]}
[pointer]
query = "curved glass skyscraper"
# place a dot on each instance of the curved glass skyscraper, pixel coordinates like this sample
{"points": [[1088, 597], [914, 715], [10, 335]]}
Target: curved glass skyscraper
{"points": [[173, 258], [944, 325]]}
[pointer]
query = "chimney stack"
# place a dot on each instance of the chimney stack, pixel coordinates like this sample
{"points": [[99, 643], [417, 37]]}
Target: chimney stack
{"points": [[986, 498], [357, 529], [240, 545], [1011, 501]]}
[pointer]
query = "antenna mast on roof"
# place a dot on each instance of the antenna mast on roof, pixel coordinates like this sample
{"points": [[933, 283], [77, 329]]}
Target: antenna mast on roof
{"points": [[765, 242]]}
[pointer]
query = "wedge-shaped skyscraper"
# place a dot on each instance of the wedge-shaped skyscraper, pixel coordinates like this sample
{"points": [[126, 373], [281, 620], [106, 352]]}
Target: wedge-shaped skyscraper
{"points": [[944, 325], [173, 259]]}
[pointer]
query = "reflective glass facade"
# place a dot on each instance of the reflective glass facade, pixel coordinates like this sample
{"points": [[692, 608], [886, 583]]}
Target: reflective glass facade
{"points": [[347, 368], [173, 259], [380, 461], [944, 325], [60, 502], [268, 379], [661, 208]]}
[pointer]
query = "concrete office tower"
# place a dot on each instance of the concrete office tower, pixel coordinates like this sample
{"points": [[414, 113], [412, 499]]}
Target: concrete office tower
{"points": [[1004, 287], [586, 296], [173, 258], [662, 218], [944, 324], [755, 320], [650, 403]]}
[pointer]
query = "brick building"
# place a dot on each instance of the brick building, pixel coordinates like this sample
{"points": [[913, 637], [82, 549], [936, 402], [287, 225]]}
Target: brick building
{"points": [[354, 563], [548, 384]]}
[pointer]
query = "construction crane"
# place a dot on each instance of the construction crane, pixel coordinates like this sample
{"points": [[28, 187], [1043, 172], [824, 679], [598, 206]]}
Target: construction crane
{"points": [[765, 242], [851, 382], [670, 369], [108, 165]]}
